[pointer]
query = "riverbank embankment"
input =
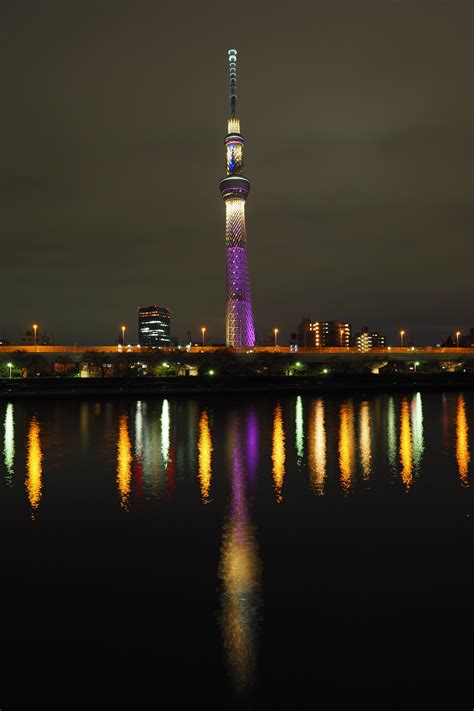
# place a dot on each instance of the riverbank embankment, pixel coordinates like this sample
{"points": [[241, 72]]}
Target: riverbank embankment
{"points": [[211, 384]]}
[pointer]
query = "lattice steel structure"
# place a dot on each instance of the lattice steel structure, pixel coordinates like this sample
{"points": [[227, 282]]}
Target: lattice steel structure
{"points": [[235, 188]]}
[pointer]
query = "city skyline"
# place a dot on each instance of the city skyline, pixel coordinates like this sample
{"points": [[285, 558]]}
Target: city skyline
{"points": [[361, 159]]}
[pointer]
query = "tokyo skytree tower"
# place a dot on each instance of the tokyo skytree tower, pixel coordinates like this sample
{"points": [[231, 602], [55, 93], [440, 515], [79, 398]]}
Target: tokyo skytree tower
{"points": [[235, 188]]}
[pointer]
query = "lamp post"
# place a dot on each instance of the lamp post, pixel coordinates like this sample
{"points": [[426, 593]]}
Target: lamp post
{"points": [[402, 333], [341, 333], [275, 333], [35, 328], [458, 333], [203, 331], [123, 335], [415, 364], [10, 366]]}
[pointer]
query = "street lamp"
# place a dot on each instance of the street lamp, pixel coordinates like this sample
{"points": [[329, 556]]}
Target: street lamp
{"points": [[275, 332], [415, 364], [10, 365], [123, 335], [341, 333], [35, 327], [402, 333], [458, 333], [203, 331]]}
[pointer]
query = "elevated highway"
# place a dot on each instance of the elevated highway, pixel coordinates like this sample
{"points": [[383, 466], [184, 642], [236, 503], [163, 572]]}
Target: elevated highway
{"points": [[304, 355]]}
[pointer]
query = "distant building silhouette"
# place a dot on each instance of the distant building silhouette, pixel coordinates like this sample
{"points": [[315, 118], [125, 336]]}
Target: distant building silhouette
{"points": [[466, 340], [43, 338]]}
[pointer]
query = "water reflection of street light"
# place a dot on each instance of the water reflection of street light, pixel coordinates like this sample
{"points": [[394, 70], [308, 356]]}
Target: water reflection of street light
{"points": [[123, 336], [458, 333], [402, 333], [275, 331], [35, 327], [10, 365], [203, 331]]}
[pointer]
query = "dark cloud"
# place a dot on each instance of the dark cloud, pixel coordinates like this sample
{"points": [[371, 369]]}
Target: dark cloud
{"points": [[358, 122]]}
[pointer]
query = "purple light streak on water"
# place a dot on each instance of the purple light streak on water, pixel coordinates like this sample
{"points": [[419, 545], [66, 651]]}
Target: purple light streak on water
{"points": [[252, 445]]}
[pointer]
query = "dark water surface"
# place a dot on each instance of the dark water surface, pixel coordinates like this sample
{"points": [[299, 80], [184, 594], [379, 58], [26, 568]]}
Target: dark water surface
{"points": [[224, 552]]}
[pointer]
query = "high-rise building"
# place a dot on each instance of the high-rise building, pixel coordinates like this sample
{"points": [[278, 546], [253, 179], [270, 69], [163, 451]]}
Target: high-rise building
{"points": [[323, 334], [154, 326], [367, 340], [240, 332]]}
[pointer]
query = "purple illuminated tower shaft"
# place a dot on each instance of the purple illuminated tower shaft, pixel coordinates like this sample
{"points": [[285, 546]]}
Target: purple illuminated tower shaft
{"points": [[235, 188]]}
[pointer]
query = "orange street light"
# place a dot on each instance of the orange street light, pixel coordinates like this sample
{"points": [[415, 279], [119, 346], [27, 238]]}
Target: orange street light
{"points": [[275, 331], [203, 331], [341, 333], [458, 333], [402, 333], [35, 328], [123, 335]]}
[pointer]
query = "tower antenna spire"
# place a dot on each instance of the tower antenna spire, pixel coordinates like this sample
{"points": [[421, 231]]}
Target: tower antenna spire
{"points": [[233, 81]]}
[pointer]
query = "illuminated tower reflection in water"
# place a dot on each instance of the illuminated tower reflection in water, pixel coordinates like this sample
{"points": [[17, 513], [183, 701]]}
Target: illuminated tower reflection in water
{"points": [[252, 444], [346, 445], [9, 442], [34, 467], [462, 441], [278, 453], [317, 446], [124, 460], [240, 572]]}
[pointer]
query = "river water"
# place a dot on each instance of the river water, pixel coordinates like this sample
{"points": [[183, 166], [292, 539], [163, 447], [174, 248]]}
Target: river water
{"points": [[238, 552]]}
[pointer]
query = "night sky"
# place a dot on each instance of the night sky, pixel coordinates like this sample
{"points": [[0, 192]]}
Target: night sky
{"points": [[357, 117]]}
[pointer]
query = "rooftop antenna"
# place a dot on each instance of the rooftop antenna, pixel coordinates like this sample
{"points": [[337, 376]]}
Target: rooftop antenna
{"points": [[233, 81]]}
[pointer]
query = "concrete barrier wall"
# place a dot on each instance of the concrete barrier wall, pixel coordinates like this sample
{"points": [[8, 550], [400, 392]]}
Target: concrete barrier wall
{"points": [[257, 349]]}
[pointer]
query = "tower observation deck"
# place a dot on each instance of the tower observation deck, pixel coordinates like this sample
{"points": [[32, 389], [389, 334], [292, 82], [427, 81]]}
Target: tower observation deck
{"points": [[235, 188]]}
